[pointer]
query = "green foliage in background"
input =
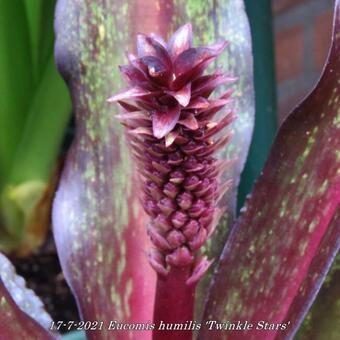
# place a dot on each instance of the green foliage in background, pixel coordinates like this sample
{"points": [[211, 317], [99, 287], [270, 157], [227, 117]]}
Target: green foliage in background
{"points": [[34, 111]]}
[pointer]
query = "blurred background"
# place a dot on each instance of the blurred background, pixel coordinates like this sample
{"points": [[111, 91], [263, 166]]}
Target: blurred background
{"points": [[302, 31], [291, 39]]}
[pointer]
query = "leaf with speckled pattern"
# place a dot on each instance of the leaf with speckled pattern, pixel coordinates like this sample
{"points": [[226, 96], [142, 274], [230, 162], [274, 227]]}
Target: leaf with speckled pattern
{"points": [[282, 245], [99, 226], [15, 324]]}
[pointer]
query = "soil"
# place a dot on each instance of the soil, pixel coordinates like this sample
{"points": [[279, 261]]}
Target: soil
{"points": [[44, 276]]}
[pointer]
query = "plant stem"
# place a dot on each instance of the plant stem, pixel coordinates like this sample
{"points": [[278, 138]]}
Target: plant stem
{"points": [[174, 304]]}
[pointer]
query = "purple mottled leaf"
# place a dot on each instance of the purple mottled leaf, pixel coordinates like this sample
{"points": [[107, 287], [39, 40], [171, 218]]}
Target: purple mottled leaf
{"points": [[317, 272], [21, 312], [288, 233], [98, 223]]}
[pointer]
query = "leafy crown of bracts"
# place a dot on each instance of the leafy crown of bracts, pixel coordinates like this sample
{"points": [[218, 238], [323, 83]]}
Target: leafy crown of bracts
{"points": [[170, 130]]}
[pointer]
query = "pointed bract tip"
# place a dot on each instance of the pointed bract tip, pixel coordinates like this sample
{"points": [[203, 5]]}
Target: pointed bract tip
{"points": [[200, 268], [187, 26], [164, 122], [142, 45], [181, 40], [131, 57], [111, 99], [185, 31], [219, 46], [159, 39], [180, 257], [156, 260]]}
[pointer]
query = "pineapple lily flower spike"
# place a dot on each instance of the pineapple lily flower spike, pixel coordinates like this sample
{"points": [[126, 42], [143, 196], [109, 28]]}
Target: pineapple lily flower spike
{"points": [[172, 133], [170, 129]]}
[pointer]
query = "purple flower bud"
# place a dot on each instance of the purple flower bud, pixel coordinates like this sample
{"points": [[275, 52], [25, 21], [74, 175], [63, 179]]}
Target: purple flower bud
{"points": [[177, 177], [181, 140], [178, 219], [175, 238], [203, 188], [207, 170], [184, 200], [161, 166], [180, 257], [157, 239], [192, 148], [167, 206], [156, 151], [207, 217], [155, 176], [192, 165], [162, 223], [154, 190], [211, 195], [191, 229], [151, 208], [175, 158], [171, 190], [198, 239], [191, 183], [197, 208]]}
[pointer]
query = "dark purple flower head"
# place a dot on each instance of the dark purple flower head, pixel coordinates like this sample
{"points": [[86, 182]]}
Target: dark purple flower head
{"points": [[170, 128], [166, 80]]}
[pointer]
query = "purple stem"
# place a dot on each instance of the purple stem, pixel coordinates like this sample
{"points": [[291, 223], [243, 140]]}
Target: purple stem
{"points": [[174, 304]]}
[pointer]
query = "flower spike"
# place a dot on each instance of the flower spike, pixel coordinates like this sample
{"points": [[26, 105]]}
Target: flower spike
{"points": [[168, 118]]}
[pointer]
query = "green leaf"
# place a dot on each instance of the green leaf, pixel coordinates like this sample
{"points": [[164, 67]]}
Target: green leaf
{"points": [[25, 198], [40, 22], [33, 14], [41, 138], [15, 79]]}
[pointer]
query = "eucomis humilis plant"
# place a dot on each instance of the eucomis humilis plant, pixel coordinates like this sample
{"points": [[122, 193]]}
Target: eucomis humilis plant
{"points": [[111, 214]]}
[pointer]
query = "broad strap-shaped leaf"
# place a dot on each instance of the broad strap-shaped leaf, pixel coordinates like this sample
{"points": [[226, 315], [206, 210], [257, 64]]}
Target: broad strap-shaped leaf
{"points": [[15, 79], [310, 287], [99, 226], [21, 312], [322, 320], [40, 18], [29, 190], [285, 239]]}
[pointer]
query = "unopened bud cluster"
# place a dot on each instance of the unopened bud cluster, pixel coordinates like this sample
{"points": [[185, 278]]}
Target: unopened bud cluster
{"points": [[170, 129]]}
